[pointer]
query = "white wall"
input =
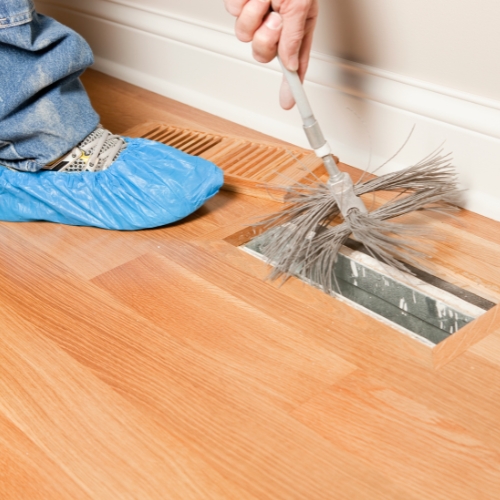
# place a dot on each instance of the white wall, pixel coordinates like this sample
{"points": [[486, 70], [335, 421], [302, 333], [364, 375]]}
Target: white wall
{"points": [[378, 68], [448, 42], [455, 43], [202, 11]]}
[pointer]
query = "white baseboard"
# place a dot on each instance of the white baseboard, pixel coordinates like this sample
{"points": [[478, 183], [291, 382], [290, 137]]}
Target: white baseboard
{"points": [[361, 109]]}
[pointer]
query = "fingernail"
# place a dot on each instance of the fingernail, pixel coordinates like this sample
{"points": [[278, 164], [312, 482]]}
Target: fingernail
{"points": [[273, 21], [293, 63]]}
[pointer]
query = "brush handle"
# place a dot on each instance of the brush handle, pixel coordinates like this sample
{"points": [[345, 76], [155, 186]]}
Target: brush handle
{"points": [[340, 184], [311, 125]]}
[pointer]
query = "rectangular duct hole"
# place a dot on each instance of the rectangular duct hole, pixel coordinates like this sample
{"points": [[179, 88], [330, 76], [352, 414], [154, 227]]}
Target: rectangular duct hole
{"points": [[423, 306]]}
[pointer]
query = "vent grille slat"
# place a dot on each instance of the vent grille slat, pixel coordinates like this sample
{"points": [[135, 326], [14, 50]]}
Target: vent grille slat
{"points": [[258, 169], [239, 165], [201, 146], [167, 138], [187, 141], [234, 155]]}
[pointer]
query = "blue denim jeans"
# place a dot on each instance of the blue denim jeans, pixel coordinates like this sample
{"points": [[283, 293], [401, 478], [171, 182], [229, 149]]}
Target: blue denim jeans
{"points": [[44, 109]]}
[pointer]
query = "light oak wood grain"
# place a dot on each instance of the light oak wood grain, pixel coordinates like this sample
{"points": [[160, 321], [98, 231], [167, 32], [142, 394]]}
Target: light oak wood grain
{"points": [[468, 336], [183, 391], [27, 472], [107, 447], [414, 446], [278, 361], [489, 348]]}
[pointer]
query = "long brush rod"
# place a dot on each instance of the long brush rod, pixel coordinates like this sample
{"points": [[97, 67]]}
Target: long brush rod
{"points": [[311, 126]]}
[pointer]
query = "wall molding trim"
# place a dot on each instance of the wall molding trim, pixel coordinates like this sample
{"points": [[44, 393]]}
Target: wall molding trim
{"points": [[365, 99]]}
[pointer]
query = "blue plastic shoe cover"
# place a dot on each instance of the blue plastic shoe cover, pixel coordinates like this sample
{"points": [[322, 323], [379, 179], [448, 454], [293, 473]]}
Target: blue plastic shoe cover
{"points": [[149, 185]]}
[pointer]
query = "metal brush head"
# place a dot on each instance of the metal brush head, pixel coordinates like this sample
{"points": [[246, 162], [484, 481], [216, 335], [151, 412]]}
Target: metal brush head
{"points": [[305, 239]]}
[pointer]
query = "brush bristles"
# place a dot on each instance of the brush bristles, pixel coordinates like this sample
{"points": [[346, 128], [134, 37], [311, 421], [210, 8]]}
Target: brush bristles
{"points": [[304, 241], [432, 172]]}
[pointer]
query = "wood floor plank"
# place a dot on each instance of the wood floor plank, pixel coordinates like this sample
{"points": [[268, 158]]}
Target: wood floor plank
{"points": [[27, 472], [478, 375], [431, 456], [223, 209], [267, 356], [346, 331], [476, 225], [484, 327], [462, 241], [87, 251], [489, 348], [100, 441]]}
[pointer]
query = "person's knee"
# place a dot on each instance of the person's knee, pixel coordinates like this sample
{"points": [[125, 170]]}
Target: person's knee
{"points": [[49, 34]]}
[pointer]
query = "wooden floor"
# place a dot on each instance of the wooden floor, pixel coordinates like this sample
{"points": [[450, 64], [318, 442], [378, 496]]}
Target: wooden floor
{"points": [[161, 365]]}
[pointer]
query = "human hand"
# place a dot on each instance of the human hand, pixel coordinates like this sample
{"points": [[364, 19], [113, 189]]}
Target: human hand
{"points": [[287, 31]]}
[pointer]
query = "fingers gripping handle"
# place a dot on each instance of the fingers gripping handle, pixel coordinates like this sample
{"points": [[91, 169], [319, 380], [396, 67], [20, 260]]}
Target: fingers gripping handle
{"points": [[311, 126]]}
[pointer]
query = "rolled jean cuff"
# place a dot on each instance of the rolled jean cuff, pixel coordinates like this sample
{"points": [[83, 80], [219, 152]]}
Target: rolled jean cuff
{"points": [[44, 109], [16, 12]]}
